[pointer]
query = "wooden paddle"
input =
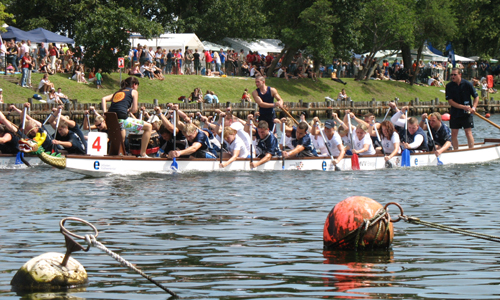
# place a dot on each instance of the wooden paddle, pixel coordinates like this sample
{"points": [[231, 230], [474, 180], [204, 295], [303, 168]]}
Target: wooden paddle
{"points": [[405, 156], [283, 139], [174, 166], [57, 127], [439, 163], [475, 112], [251, 145], [354, 157], [328, 148], [289, 115], [222, 140]]}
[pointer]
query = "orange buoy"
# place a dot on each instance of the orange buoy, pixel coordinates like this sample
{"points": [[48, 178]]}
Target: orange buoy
{"points": [[487, 115], [346, 223], [445, 117]]}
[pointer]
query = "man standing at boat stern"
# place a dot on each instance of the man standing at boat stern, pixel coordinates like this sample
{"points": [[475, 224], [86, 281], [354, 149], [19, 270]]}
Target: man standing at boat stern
{"points": [[459, 93], [264, 97]]}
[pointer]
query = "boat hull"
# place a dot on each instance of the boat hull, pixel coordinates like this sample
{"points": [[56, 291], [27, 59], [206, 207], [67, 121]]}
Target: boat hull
{"points": [[104, 165]]}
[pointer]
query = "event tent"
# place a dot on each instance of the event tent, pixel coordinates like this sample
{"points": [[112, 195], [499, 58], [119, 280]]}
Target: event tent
{"points": [[16, 34], [171, 41], [462, 58], [262, 46], [214, 47], [43, 35]]}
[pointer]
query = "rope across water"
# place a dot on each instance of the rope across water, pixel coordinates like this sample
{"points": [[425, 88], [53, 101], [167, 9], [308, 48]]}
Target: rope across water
{"points": [[93, 242]]}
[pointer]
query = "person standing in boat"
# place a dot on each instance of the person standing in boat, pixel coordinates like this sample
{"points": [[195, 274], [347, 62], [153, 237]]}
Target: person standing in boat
{"points": [[458, 93], [440, 132], [264, 97], [124, 101]]}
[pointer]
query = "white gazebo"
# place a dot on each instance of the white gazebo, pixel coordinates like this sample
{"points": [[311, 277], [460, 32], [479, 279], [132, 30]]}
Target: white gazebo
{"points": [[262, 46], [169, 41]]}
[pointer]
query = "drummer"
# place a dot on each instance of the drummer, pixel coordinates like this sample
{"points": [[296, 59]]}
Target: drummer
{"points": [[124, 101]]}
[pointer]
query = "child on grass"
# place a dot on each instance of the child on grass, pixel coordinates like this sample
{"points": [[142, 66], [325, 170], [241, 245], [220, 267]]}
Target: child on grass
{"points": [[98, 78]]}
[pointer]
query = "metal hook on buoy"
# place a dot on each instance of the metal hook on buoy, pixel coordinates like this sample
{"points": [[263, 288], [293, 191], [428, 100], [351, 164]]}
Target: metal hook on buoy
{"points": [[71, 244]]}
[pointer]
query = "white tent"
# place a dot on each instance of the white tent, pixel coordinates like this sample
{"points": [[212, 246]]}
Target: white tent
{"points": [[263, 46], [384, 54], [172, 41], [214, 47], [462, 58]]}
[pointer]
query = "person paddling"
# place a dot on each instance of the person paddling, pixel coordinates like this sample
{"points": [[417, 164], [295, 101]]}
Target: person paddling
{"points": [[440, 133], [124, 101]]}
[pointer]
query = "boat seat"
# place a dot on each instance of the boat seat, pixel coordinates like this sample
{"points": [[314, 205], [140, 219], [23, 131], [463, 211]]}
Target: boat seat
{"points": [[116, 145]]}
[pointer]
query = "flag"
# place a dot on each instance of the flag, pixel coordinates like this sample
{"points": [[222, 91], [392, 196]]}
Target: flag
{"points": [[434, 50], [451, 54]]}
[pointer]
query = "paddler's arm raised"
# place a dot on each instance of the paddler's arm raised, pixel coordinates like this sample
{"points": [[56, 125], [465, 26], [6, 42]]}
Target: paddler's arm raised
{"points": [[104, 100], [11, 127], [164, 120]]}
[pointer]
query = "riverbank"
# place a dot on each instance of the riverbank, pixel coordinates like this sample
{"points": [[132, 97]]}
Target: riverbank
{"points": [[228, 89]]}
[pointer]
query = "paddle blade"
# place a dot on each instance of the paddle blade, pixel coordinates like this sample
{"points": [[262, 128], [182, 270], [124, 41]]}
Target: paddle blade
{"points": [[355, 162], [440, 163], [19, 158], [388, 165], [405, 158], [174, 166]]}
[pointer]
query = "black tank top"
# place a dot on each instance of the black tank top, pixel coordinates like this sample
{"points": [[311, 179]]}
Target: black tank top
{"points": [[11, 147], [121, 102], [267, 98]]}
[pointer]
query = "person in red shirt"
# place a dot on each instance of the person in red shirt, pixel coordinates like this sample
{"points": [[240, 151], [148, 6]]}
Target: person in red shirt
{"points": [[25, 65], [269, 59], [208, 60], [250, 57]]}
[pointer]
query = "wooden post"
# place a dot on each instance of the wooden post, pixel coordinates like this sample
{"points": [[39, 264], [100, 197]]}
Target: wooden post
{"points": [[155, 102]]}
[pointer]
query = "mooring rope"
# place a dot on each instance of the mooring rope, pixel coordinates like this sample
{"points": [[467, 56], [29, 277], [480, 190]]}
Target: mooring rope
{"points": [[92, 241], [417, 221]]}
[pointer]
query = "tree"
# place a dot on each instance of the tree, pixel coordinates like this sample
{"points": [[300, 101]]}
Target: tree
{"points": [[4, 16], [104, 30], [385, 25]]}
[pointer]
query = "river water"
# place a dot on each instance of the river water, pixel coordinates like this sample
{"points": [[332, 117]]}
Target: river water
{"points": [[256, 235]]}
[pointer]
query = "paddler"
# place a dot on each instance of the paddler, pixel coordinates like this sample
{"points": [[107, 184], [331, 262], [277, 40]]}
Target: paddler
{"points": [[31, 128], [301, 140], [267, 145], [441, 134], [124, 101]]}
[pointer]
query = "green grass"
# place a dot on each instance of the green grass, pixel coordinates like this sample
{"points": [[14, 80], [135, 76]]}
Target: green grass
{"points": [[228, 89]]}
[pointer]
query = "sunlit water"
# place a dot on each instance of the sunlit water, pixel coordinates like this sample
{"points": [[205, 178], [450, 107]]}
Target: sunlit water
{"points": [[255, 235]]}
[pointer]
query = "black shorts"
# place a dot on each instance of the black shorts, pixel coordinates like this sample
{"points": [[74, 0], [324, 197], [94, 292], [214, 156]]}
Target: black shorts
{"points": [[462, 122]]}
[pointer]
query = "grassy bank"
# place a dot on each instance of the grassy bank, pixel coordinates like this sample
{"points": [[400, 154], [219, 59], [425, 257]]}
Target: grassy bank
{"points": [[228, 89]]}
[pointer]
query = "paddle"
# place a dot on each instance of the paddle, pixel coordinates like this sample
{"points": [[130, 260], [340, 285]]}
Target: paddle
{"points": [[385, 117], [46, 120], [388, 164], [174, 166], [283, 137], [328, 148], [354, 157], [222, 140], [289, 115], [57, 127], [405, 156], [20, 155], [439, 163], [475, 112], [251, 145]]}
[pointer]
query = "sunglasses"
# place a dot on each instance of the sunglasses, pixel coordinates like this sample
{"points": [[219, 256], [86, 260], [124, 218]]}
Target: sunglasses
{"points": [[98, 125]]}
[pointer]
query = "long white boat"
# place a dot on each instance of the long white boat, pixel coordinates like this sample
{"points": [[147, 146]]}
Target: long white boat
{"points": [[487, 151]]}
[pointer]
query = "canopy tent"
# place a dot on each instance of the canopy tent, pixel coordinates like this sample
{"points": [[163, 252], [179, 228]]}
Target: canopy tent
{"points": [[462, 58], [262, 46], [389, 54], [43, 35], [214, 47], [428, 55], [476, 58], [172, 41], [16, 34]]}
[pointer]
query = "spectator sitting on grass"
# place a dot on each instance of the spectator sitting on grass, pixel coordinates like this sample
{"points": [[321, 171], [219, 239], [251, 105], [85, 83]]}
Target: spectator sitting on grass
{"points": [[62, 97], [45, 85]]}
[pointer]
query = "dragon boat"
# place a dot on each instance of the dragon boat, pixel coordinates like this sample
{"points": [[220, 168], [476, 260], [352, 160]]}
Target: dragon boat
{"points": [[119, 163]]}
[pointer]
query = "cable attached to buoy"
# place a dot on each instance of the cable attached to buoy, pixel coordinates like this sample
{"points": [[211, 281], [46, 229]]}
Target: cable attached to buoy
{"points": [[417, 221], [93, 242]]}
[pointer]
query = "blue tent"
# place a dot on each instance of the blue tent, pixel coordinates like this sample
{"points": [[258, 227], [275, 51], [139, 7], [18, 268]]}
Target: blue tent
{"points": [[16, 34], [43, 35]]}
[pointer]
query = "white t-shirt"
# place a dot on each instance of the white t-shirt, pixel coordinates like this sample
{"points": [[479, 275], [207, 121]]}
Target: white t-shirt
{"points": [[242, 134], [238, 144], [42, 83], [359, 144], [388, 145], [332, 143]]}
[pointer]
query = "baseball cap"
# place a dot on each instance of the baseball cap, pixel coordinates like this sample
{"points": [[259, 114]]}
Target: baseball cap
{"points": [[1, 90], [329, 123]]}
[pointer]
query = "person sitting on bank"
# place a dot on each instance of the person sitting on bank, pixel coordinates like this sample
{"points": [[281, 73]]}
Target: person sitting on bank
{"points": [[342, 96], [266, 144], [334, 77], [235, 146], [301, 140], [440, 132], [62, 97], [45, 85], [53, 98], [69, 140], [198, 144], [413, 139]]}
